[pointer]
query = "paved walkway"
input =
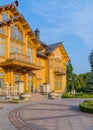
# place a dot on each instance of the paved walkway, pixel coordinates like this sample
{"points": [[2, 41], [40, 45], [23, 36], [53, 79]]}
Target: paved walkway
{"points": [[60, 114]]}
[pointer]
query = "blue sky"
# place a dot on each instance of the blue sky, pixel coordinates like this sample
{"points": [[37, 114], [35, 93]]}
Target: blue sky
{"points": [[70, 21]]}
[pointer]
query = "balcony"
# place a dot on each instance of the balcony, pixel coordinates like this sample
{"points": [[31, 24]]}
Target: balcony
{"points": [[19, 62], [59, 71], [19, 57]]}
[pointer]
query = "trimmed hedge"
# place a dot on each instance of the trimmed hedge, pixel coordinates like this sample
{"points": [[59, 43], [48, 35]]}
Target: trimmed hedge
{"points": [[77, 95], [86, 106]]}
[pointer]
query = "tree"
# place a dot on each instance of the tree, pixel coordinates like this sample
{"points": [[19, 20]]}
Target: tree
{"points": [[69, 73], [81, 81], [89, 87]]}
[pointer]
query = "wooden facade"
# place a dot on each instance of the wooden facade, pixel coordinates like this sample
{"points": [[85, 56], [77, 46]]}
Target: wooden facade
{"points": [[24, 57]]}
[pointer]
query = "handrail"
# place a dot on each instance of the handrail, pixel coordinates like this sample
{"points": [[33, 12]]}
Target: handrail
{"points": [[20, 57]]}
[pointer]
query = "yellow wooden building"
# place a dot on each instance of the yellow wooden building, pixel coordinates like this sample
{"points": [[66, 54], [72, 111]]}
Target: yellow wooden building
{"points": [[23, 57]]}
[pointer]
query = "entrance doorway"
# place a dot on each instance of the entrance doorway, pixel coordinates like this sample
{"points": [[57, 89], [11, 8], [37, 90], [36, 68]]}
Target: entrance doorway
{"points": [[30, 83], [1, 79]]}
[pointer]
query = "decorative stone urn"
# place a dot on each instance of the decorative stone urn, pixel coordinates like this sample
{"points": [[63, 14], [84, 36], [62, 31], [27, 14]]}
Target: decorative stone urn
{"points": [[52, 95], [26, 97]]}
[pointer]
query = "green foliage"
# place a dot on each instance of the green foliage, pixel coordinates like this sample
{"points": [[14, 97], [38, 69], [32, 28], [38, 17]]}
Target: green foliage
{"points": [[15, 99], [86, 106], [27, 92], [89, 87], [77, 95], [91, 60], [81, 82], [66, 95], [69, 73]]}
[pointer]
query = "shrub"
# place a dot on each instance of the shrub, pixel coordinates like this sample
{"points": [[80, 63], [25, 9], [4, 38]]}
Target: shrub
{"points": [[86, 106], [66, 95], [77, 95]]}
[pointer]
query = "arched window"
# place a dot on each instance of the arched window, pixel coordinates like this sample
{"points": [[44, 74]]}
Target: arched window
{"points": [[16, 33]]}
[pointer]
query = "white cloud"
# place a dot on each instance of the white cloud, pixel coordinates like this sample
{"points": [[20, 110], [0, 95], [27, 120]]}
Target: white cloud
{"points": [[83, 25], [73, 17]]}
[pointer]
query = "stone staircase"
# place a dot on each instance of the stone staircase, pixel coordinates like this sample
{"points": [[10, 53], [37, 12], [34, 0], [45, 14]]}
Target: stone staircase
{"points": [[38, 97]]}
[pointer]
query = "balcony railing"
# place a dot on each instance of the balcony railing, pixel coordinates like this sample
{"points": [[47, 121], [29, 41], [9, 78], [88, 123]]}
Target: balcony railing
{"points": [[59, 71], [19, 57]]}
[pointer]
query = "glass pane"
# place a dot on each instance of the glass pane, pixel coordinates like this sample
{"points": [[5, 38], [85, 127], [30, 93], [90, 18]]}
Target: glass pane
{"points": [[2, 51], [17, 78], [30, 83], [16, 33], [1, 46], [1, 82], [5, 16], [11, 49], [11, 43], [2, 40], [2, 30], [30, 54], [1, 74]]}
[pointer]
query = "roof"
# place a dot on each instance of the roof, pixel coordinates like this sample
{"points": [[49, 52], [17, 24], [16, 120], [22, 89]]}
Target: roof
{"points": [[42, 54], [11, 7], [20, 18], [43, 43], [23, 22], [11, 20], [50, 48]]}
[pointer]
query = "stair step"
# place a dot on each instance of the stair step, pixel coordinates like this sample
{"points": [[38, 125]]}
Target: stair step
{"points": [[37, 97]]}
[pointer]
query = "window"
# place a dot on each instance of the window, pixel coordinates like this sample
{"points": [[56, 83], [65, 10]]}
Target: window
{"points": [[1, 79], [1, 46], [29, 53], [11, 47], [16, 48], [17, 77], [2, 30], [21, 49], [58, 83], [5, 16], [16, 33]]}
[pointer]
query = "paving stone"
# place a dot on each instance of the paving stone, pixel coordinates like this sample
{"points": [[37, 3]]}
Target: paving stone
{"points": [[59, 114]]}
